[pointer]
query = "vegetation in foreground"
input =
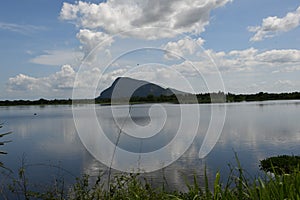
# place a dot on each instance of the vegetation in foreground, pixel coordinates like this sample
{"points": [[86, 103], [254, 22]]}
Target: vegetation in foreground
{"points": [[132, 186], [3, 142]]}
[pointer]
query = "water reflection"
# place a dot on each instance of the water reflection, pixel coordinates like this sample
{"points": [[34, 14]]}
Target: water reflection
{"points": [[254, 130]]}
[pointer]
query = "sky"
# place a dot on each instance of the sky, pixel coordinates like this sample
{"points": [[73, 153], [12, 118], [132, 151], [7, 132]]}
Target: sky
{"points": [[63, 49]]}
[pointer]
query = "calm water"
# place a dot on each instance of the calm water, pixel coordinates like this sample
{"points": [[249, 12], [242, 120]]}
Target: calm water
{"points": [[254, 130]]}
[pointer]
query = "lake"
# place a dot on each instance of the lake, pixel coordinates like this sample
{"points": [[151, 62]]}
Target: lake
{"points": [[46, 141]]}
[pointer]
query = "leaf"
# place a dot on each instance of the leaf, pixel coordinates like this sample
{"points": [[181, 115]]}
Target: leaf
{"points": [[3, 134]]}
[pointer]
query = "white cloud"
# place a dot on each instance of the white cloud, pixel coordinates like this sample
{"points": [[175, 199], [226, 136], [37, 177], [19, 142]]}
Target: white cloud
{"points": [[58, 57], [90, 39], [288, 69], [281, 85], [108, 78], [239, 65], [245, 69], [23, 83], [69, 11], [182, 47], [280, 56], [57, 85], [253, 59], [145, 20], [115, 16], [284, 83], [193, 69], [243, 53], [273, 25], [63, 79], [239, 62], [60, 81], [155, 73], [21, 28], [137, 23]]}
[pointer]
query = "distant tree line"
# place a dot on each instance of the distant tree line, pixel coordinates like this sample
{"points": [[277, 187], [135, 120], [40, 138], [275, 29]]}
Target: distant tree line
{"points": [[35, 102], [262, 96], [216, 97]]}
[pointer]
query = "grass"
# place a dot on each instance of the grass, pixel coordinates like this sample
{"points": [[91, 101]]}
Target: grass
{"points": [[3, 143], [133, 186]]}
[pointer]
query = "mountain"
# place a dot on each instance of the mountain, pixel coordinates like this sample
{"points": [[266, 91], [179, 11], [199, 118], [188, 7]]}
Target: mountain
{"points": [[124, 87]]}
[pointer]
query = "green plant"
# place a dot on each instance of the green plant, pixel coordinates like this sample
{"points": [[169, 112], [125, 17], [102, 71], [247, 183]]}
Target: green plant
{"points": [[3, 143], [282, 164], [238, 185]]}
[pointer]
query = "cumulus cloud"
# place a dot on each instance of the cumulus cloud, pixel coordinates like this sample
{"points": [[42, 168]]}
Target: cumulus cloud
{"points": [[61, 80], [145, 20], [280, 56], [273, 25], [23, 83], [57, 85], [58, 57], [90, 39], [284, 60], [117, 16], [243, 53], [182, 47], [139, 22]]}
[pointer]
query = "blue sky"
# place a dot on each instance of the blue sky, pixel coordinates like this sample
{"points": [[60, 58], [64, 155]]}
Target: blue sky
{"points": [[243, 46]]}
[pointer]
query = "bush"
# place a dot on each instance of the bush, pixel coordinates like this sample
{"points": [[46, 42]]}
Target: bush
{"points": [[282, 164]]}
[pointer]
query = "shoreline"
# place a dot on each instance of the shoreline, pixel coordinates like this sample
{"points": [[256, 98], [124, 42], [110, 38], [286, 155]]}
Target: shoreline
{"points": [[142, 103]]}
